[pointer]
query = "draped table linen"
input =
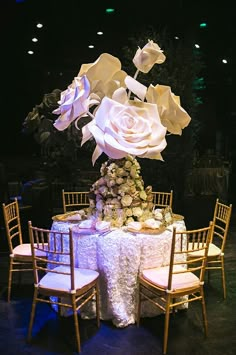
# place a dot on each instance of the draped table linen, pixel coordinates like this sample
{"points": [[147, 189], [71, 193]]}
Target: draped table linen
{"points": [[119, 255]]}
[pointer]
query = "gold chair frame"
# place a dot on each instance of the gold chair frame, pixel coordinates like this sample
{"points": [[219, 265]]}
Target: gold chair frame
{"points": [[20, 257], [58, 282], [165, 287], [162, 199], [72, 200], [215, 258]]}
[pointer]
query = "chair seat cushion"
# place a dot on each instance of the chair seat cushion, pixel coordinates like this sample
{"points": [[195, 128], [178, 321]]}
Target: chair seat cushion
{"points": [[212, 251], [62, 282], [159, 277], [25, 251]]}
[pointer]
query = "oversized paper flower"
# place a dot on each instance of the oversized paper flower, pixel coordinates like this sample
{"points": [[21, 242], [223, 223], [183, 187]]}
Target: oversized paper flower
{"points": [[172, 115], [149, 55], [74, 102], [133, 128], [105, 75], [122, 124]]}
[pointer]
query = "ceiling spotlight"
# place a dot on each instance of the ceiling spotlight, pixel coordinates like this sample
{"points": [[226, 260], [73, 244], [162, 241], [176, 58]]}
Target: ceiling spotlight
{"points": [[91, 46], [39, 25], [109, 10], [197, 45], [30, 52], [224, 61], [34, 39], [99, 33]]}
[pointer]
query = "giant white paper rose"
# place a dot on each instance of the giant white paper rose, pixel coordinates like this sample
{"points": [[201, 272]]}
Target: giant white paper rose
{"points": [[74, 102], [133, 127], [149, 55], [172, 115], [105, 75]]}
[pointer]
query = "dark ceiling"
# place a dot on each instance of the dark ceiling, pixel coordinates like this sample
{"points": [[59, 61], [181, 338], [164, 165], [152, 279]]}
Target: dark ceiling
{"points": [[70, 25]]}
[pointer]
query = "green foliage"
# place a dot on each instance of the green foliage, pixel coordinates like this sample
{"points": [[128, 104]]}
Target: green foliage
{"points": [[59, 149]]}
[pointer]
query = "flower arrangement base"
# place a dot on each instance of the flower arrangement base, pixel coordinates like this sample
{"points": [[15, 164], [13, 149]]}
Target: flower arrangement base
{"points": [[119, 195]]}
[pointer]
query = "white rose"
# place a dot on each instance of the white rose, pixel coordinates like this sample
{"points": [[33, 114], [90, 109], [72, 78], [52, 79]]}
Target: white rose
{"points": [[131, 128], [105, 74], [172, 115], [149, 55], [74, 103]]}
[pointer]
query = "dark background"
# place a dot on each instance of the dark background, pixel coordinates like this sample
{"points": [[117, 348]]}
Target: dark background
{"points": [[69, 26]]}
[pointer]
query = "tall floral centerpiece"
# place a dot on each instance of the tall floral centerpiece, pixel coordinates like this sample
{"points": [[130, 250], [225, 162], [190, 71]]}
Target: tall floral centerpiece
{"points": [[128, 120]]}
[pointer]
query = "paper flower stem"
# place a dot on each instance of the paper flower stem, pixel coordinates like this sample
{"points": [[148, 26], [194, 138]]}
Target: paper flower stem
{"points": [[135, 77]]}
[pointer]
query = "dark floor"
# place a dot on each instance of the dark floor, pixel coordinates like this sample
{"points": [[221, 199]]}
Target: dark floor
{"points": [[185, 334]]}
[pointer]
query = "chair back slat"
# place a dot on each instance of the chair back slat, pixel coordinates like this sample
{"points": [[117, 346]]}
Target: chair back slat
{"points": [[221, 221], [183, 243], [12, 221], [162, 199], [73, 200], [52, 251]]}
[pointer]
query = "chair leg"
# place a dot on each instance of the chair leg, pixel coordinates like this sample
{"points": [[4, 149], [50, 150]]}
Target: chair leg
{"points": [[166, 326], [32, 315], [97, 305], [223, 276], [9, 280], [204, 314], [138, 306], [76, 323]]}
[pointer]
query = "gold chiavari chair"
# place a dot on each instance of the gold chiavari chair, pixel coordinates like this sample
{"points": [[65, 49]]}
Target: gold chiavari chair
{"points": [[215, 258], [162, 199], [73, 200], [59, 282], [166, 287]]}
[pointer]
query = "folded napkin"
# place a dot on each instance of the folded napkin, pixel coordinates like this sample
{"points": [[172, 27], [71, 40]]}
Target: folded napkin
{"points": [[74, 217], [102, 226], [152, 223], [135, 226], [88, 223], [158, 213]]}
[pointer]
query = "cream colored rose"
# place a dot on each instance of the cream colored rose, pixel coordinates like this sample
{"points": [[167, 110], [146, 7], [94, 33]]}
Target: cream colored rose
{"points": [[137, 211], [120, 172], [130, 182], [126, 200], [123, 188], [143, 195], [74, 103], [111, 183], [172, 115], [119, 180], [128, 164], [131, 128], [128, 212], [149, 55], [139, 184]]}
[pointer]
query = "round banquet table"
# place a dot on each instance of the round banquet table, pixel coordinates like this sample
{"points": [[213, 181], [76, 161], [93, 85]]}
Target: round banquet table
{"points": [[119, 256]]}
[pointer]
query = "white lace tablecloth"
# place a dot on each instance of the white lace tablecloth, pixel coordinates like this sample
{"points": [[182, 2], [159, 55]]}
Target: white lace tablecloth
{"points": [[119, 256]]}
